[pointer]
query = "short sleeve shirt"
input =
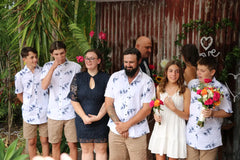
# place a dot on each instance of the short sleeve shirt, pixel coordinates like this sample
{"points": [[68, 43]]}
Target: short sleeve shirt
{"points": [[59, 106], [35, 99], [129, 99], [209, 136]]}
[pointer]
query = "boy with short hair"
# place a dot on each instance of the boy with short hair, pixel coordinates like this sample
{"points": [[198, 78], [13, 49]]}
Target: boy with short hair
{"points": [[57, 76], [35, 99], [203, 142]]}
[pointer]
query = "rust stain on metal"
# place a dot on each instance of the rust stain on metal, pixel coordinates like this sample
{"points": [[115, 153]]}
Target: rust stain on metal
{"points": [[161, 21]]}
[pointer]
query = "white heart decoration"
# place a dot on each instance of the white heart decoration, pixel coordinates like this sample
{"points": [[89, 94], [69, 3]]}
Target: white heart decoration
{"points": [[235, 76], [205, 39]]}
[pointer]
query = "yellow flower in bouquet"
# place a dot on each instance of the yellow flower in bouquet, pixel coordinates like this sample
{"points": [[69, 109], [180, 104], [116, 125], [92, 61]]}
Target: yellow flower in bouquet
{"points": [[156, 105]]}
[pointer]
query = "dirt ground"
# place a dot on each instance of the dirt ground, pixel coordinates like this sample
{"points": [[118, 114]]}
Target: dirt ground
{"points": [[16, 133]]}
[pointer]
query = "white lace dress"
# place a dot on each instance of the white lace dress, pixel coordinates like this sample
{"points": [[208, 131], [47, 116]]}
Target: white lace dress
{"points": [[169, 137]]}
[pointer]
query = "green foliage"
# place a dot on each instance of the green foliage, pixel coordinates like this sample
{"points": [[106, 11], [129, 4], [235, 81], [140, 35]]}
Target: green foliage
{"points": [[78, 44], [37, 24], [99, 42], [11, 152], [205, 28], [231, 60]]}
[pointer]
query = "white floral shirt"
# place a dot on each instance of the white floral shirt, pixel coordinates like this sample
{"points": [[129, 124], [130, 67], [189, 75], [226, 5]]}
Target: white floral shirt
{"points": [[35, 99], [209, 136], [59, 106], [129, 99]]}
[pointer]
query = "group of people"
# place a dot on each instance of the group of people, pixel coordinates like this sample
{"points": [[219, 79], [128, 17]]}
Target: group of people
{"points": [[102, 111]]}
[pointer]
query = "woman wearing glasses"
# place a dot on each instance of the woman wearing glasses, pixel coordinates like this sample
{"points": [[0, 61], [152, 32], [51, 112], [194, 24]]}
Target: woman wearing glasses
{"points": [[87, 97]]}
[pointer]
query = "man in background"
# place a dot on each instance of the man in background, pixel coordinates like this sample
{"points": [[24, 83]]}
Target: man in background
{"points": [[144, 45]]}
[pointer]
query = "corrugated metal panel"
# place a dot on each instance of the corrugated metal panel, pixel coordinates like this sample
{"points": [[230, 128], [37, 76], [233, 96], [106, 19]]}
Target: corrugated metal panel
{"points": [[162, 20]]}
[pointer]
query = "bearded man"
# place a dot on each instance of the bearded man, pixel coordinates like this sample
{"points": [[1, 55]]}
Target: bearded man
{"points": [[127, 97]]}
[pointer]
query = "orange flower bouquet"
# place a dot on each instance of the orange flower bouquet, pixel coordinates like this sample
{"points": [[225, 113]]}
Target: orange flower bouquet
{"points": [[210, 98], [156, 105]]}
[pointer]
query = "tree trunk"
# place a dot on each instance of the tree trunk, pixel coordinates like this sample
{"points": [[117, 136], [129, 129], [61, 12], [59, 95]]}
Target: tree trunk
{"points": [[9, 98]]}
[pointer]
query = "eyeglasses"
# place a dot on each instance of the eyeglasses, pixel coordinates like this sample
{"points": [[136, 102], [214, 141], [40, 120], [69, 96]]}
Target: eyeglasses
{"points": [[90, 59]]}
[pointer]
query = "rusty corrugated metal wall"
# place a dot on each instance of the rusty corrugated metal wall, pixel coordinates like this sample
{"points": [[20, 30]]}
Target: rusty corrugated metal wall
{"points": [[162, 20]]}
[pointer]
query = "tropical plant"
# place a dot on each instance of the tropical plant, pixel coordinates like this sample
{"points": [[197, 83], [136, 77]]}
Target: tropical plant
{"points": [[11, 152], [38, 23], [100, 42], [9, 106]]}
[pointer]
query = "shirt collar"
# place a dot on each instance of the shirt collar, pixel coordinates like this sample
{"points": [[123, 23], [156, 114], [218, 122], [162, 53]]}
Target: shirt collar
{"points": [[138, 75], [65, 63], [26, 69]]}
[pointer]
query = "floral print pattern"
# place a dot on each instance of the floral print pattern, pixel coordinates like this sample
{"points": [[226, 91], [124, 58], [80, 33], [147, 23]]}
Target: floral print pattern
{"points": [[35, 99], [129, 99], [59, 106], [209, 136]]}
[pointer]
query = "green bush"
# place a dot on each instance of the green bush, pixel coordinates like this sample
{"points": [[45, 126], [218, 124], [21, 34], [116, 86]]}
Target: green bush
{"points": [[11, 152]]}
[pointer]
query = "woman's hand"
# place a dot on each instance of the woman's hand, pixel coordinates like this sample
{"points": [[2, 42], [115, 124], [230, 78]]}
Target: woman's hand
{"points": [[93, 118], [86, 120], [169, 103], [157, 118]]}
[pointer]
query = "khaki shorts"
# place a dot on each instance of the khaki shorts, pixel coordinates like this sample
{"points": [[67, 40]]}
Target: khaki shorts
{"points": [[30, 130], [55, 129], [127, 148], [194, 154]]}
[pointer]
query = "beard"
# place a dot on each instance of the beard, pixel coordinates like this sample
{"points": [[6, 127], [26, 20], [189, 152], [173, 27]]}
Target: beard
{"points": [[130, 72]]}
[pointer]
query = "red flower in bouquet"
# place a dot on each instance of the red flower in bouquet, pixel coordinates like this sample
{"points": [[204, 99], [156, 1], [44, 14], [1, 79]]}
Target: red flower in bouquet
{"points": [[210, 98], [156, 105], [207, 80]]}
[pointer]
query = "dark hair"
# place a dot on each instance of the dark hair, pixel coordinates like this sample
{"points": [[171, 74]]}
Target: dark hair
{"points": [[208, 61], [57, 45], [190, 54], [99, 55], [134, 51], [180, 81], [25, 51]]}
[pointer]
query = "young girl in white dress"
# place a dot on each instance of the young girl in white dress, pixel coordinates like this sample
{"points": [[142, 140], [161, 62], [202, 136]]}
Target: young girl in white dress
{"points": [[168, 138]]}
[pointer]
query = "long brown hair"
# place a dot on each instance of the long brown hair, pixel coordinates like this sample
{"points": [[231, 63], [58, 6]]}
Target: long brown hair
{"points": [[180, 81]]}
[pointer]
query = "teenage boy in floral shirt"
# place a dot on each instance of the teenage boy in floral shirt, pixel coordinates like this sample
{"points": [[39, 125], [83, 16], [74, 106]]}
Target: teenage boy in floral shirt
{"points": [[35, 100], [203, 142], [57, 76]]}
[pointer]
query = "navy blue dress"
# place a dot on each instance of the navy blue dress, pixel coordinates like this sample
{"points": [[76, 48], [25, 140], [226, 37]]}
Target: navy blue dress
{"points": [[91, 101]]}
